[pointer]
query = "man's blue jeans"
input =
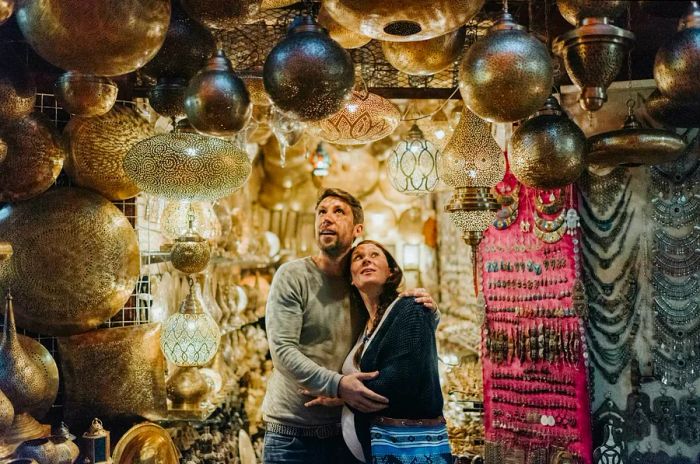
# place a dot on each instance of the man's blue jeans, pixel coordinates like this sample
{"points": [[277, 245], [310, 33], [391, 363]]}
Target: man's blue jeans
{"points": [[283, 449]]}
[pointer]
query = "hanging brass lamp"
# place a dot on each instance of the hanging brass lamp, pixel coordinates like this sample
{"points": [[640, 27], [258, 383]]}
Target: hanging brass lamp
{"points": [[677, 63], [307, 74], [634, 145], [345, 37], [574, 11], [425, 57], [191, 252], [412, 165], [85, 95], [507, 75], [593, 55], [17, 88], [674, 113], [216, 100], [221, 14], [167, 97], [471, 164], [403, 20], [185, 165], [548, 149]]}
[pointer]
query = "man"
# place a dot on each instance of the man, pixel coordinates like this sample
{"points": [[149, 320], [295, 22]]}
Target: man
{"points": [[311, 327]]}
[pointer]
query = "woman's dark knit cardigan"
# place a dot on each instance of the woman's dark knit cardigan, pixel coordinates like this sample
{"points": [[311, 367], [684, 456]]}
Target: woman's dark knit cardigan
{"points": [[404, 352]]}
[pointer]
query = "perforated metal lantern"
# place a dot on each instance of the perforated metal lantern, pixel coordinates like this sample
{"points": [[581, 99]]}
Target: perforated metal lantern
{"points": [[221, 14], [472, 210], [675, 113], [308, 74], [167, 97], [507, 75], [425, 57], [85, 95], [548, 149], [345, 37], [412, 165], [677, 64], [574, 11], [593, 55], [191, 336]]}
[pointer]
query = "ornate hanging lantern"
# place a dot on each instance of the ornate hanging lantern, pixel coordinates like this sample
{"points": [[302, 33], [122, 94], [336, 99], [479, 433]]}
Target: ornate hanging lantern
{"points": [[634, 145], [308, 74], [365, 118], [191, 336], [548, 149], [184, 165], [412, 165], [507, 75], [167, 98], [403, 20], [425, 57], [593, 55], [190, 253], [471, 164], [574, 11], [345, 37], [85, 95], [100, 37], [674, 113], [216, 100], [677, 64], [221, 14]]}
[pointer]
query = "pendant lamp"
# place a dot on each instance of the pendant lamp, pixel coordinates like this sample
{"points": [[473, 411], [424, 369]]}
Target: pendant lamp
{"points": [[412, 165], [167, 97], [85, 95], [426, 57], [674, 113], [221, 14], [574, 11]]}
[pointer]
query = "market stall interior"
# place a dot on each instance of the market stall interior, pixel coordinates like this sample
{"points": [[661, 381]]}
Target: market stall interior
{"points": [[534, 164]]}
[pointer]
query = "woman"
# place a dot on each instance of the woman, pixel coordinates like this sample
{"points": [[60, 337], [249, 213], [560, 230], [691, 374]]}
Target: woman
{"points": [[399, 343]]}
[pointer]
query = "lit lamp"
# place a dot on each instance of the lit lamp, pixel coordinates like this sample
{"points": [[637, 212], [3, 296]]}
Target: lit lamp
{"points": [[472, 163], [96, 446], [437, 129], [412, 165]]}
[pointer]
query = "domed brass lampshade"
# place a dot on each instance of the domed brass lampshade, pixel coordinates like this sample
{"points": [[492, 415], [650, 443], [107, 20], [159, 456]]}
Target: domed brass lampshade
{"points": [[100, 37], [17, 88], [184, 165], [365, 118], [403, 20], [33, 160], [472, 210], [472, 158], [677, 64], [675, 113], [190, 337], [507, 75], [185, 51], [308, 74], [345, 37], [548, 149], [269, 4], [178, 215], [75, 263], [425, 57], [7, 7], [191, 252], [221, 14], [574, 11], [85, 95], [593, 55], [412, 166], [634, 145], [216, 100], [97, 148], [167, 97], [146, 443]]}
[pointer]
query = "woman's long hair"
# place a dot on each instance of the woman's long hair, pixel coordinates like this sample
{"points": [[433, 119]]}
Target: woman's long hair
{"points": [[388, 294]]}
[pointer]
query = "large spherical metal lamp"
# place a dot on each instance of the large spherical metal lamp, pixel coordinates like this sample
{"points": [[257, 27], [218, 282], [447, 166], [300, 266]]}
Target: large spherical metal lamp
{"points": [[308, 74]]}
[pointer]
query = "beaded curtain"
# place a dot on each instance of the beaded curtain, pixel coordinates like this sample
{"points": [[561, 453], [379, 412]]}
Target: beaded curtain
{"points": [[534, 364]]}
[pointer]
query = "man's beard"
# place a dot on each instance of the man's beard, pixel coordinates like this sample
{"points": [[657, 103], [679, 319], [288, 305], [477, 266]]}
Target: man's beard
{"points": [[334, 249]]}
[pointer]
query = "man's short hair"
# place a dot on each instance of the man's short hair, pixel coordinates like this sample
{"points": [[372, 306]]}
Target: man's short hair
{"points": [[358, 215]]}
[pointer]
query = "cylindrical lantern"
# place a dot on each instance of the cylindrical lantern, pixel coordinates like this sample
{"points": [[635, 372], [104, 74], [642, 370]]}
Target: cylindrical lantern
{"points": [[191, 336], [412, 165], [507, 75], [677, 64], [548, 149], [216, 100], [308, 74], [96, 445]]}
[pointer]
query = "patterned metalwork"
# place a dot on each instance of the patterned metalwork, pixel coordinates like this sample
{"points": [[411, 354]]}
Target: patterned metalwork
{"points": [[548, 149], [345, 37], [575, 10], [98, 146], [7, 413], [221, 14], [412, 165], [167, 98], [117, 372], [145, 443], [425, 57], [507, 75], [187, 166], [75, 262], [85, 95], [364, 118], [17, 89], [677, 63], [190, 253], [74, 35], [675, 113], [34, 158], [593, 55]]}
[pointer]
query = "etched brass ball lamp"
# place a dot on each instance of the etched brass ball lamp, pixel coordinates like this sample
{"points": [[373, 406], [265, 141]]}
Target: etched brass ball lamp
{"points": [[412, 165], [221, 14], [574, 11], [674, 113], [425, 57], [167, 97], [85, 95], [191, 252]]}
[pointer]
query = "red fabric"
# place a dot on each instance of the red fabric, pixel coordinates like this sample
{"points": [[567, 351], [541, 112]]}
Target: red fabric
{"points": [[496, 247]]}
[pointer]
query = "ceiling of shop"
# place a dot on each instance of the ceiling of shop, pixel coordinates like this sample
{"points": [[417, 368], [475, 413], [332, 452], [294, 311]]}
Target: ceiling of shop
{"points": [[541, 17]]}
